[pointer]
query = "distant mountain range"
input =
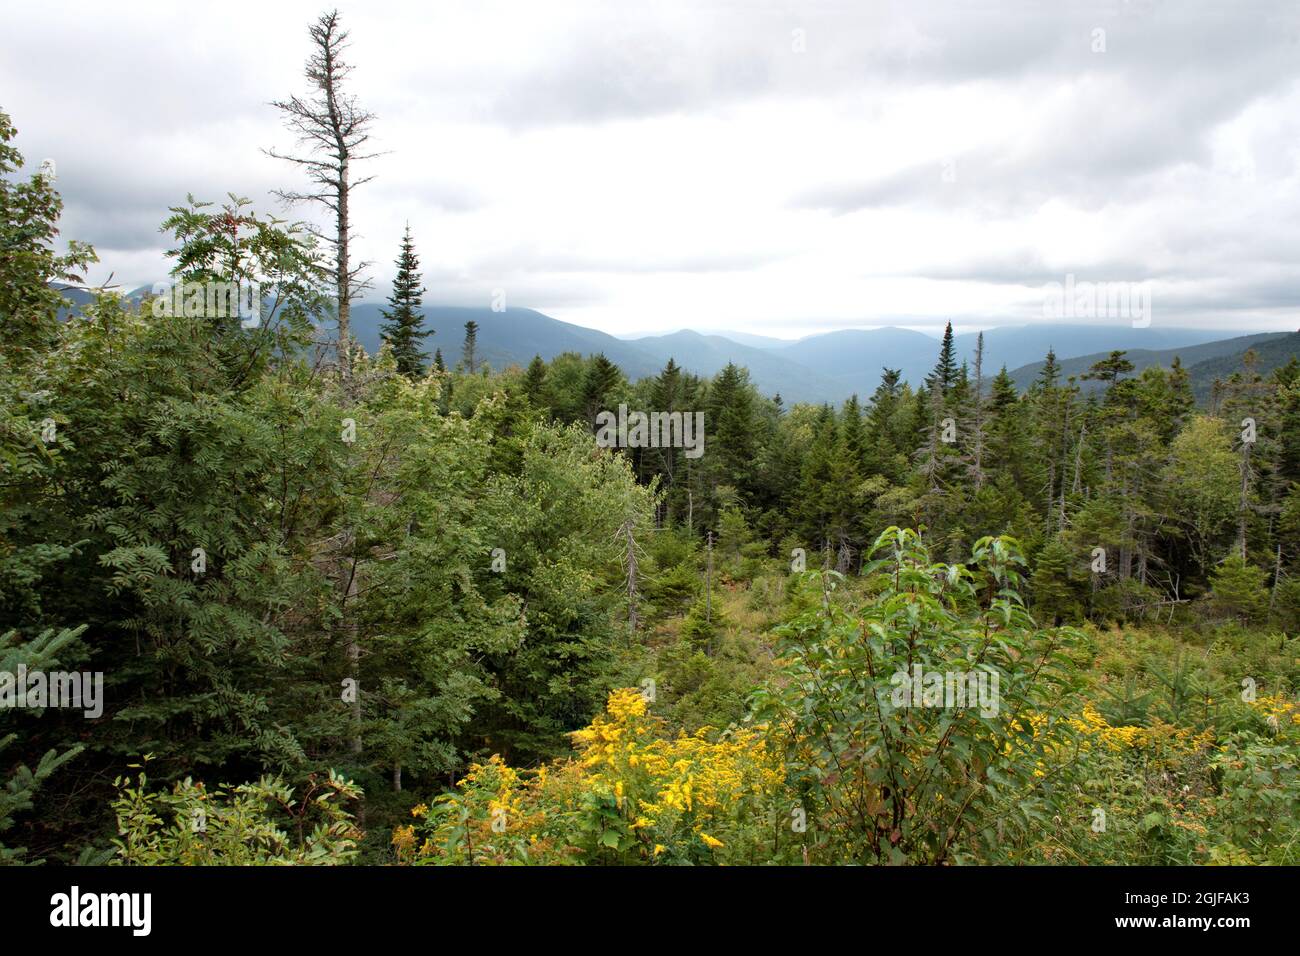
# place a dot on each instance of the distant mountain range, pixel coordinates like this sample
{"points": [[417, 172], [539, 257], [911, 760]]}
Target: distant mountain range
{"points": [[830, 367], [516, 335], [1271, 352], [1204, 363], [834, 365]]}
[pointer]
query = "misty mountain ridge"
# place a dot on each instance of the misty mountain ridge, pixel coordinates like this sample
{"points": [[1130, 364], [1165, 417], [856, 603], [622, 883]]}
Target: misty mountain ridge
{"points": [[828, 366]]}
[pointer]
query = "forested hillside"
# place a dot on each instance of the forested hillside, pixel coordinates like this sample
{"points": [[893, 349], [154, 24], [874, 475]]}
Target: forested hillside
{"points": [[411, 606], [1208, 363]]}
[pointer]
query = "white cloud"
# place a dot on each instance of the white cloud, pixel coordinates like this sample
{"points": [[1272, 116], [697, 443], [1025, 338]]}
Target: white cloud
{"points": [[655, 166]]}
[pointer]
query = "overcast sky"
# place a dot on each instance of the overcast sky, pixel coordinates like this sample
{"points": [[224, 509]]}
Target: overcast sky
{"points": [[778, 168]]}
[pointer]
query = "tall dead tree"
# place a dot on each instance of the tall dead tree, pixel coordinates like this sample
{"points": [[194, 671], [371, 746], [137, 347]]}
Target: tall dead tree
{"points": [[844, 557], [1243, 503], [332, 131], [708, 580], [977, 436]]}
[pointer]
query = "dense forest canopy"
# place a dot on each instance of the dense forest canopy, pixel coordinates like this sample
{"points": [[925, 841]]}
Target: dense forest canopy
{"points": [[411, 608]]}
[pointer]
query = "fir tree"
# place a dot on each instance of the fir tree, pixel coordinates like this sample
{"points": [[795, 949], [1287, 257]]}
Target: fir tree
{"points": [[1047, 377], [1238, 589], [599, 383], [1110, 369], [974, 420], [402, 329], [887, 451], [730, 424], [944, 376], [1181, 400], [1052, 584], [470, 356], [854, 431], [535, 382]]}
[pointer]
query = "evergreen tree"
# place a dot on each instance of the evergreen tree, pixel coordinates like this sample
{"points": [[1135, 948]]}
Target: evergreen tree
{"points": [[1052, 408], [1110, 369], [1238, 589], [944, 376], [888, 451], [444, 380], [1181, 400], [1009, 438], [1052, 585], [469, 353], [1051, 371], [668, 394], [854, 432], [1289, 430], [973, 422], [534, 384], [825, 500], [402, 328], [598, 386], [731, 426]]}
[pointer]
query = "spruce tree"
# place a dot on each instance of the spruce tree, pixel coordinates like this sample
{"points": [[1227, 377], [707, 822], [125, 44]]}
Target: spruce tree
{"points": [[974, 420], [471, 346], [1051, 372], [944, 375], [1182, 400], [1110, 370], [1053, 585], [402, 328], [599, 383], [824, 502], [854, 432], [886, 446], [535, 382], [731, 427]]}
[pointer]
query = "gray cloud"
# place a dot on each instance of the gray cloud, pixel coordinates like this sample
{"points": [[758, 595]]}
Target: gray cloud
{"points": [[717, 152]]}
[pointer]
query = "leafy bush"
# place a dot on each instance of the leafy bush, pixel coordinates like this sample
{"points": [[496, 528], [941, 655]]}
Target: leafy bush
{"points": [[254, 824], [885, 783]]}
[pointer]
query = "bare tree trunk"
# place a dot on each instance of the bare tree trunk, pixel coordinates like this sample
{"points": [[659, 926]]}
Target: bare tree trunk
{"points": [[1243, 506], [342, 281], [1051, 492], [1064, 458], [332, 128], [352, 651], [1277, 576], [978, 473], [708, 581], [631, 564], [1078, 458]]}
